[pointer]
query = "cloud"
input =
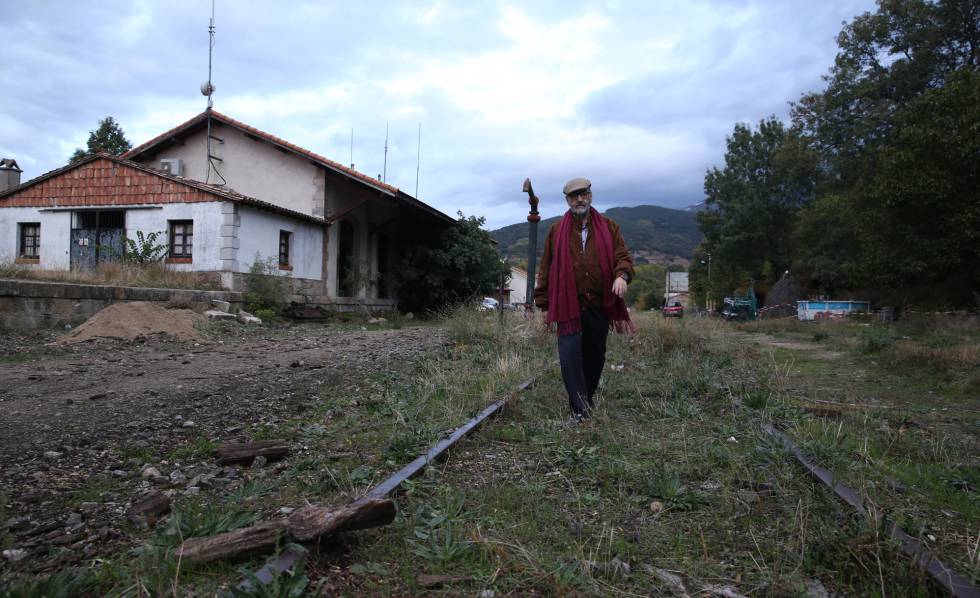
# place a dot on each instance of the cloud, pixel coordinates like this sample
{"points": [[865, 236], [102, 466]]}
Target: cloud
{"points": [[637, 95]]}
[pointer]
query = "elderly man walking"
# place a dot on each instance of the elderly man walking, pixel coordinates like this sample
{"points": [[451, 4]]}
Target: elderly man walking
{"points": [[581, 285]]}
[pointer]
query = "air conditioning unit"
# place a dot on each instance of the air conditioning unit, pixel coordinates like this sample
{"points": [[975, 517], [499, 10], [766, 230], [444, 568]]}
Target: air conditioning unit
{"points": [[174, 166]]}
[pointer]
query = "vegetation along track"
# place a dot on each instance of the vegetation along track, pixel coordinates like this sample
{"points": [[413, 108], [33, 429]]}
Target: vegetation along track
{"points": [[672, 487]]}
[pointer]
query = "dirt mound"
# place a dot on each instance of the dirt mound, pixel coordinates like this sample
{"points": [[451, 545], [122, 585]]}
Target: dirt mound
{"points": [[782, 298], [131, 320]]}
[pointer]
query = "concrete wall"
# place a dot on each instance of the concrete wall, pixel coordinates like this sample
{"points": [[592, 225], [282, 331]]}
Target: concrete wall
{"points": [[26, 305], [259, 234], [207, 219], [251, 167], [55, 236]]}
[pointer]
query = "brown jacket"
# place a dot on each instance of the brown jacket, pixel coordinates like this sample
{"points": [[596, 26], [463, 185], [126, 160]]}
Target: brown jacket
{"points": [[585, 264]]}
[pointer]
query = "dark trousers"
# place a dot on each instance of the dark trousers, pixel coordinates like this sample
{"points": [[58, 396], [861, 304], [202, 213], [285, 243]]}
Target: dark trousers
{"points": [[582, 357]]}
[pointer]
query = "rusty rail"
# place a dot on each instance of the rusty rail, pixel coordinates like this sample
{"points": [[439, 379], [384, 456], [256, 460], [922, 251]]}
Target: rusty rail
{"points": [[290, 557], [951, 581]]}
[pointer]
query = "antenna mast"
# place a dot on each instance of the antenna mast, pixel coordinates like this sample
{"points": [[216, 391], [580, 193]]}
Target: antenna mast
{"points": [[418, 162], [207, 89], [352, 148], [384, 176]]}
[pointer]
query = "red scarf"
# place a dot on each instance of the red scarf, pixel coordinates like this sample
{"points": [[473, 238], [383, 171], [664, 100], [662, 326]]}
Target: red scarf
{"points": [[563, 307]]}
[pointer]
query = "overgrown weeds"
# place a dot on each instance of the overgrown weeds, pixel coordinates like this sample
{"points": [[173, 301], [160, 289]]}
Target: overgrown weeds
{"points": [[150, 275]]}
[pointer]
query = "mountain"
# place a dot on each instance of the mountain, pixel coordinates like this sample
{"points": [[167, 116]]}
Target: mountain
{"points": [[654, 234]]}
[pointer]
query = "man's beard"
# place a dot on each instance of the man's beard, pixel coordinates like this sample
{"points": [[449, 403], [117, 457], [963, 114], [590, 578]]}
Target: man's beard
{"points": [[580, 210]]}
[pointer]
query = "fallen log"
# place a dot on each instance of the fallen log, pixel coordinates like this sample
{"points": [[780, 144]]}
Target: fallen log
{"points": [[246, 452], [303, 525], [238, 543], [310, 523]]}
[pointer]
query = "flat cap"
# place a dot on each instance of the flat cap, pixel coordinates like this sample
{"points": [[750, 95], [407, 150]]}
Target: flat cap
{"points": [[577, 184]]}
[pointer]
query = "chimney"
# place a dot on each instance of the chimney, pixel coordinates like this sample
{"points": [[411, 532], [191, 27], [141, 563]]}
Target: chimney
{"points": [[9, 174]]}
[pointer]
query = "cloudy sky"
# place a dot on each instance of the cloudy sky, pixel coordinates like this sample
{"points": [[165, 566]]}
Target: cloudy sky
{"points": [[636, 95]]}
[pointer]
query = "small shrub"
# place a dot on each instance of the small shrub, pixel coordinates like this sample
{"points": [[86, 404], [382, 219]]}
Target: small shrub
{"points": [[267, 290]]}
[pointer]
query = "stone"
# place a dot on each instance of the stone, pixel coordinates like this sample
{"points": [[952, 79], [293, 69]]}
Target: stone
{"points": [[18, 524], [259, 462], [74, 519], [192, 490], [14, 555], [177, 476], [286, 510], [246, 318], [217, 314], [619, 567], [656, 506], [188, 424], [52, 455], [220, 305], [150, 473], [377, 321], [88, 507], [118, 473]]}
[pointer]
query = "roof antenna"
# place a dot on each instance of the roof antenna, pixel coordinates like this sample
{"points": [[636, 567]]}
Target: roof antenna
{"points": [[352, 148], [418, 162], [384, 178], [207, 89]]}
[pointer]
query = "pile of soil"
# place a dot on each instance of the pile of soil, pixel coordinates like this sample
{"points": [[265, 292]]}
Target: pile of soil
{"points": [[129, 321], [782, 298]]}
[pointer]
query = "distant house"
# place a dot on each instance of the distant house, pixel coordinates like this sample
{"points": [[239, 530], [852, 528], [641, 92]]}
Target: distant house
{"points": [[223, 194], [517, 287], [676, 289]]}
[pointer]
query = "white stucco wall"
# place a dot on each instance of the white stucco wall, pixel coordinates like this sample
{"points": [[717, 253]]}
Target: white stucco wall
{"points": [[259, 235], [207, 230], [518, 285], [55, 236], [253, 168]]}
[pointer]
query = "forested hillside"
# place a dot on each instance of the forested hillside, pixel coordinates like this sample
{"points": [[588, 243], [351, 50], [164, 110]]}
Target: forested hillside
{"points": [[654, 235]]}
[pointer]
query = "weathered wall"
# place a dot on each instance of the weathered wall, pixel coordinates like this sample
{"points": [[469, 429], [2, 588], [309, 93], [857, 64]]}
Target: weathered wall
{"points": [[251, 167], [259, 234], [26, 305], [55, 236]]}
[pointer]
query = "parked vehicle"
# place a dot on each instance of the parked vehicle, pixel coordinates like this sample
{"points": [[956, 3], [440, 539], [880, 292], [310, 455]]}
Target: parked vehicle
{"points": [[489, 304], [673, 311]]}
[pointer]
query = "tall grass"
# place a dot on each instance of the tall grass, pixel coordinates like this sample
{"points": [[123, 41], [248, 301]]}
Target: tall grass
{"points": [[155, 276]]}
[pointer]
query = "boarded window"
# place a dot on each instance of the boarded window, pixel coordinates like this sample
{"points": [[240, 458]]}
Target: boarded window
{"points": [[285, 238], [181, 238], [30, 239]]}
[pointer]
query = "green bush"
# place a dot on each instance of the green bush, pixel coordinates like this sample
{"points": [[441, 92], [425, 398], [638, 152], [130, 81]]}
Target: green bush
{"points": [[267, 292]]}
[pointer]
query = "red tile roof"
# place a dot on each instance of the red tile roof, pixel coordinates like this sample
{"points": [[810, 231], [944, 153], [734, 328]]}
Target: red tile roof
{"points": [[95, 181], [350, 172]]}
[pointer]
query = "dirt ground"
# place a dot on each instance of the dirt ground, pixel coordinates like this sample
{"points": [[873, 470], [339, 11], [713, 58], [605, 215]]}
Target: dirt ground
{"points": [[78, 420]]}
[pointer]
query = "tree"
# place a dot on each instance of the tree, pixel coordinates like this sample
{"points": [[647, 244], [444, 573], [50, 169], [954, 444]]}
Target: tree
{"points": [[753, 201], [896, 132], [108, 138], [460, 264]]}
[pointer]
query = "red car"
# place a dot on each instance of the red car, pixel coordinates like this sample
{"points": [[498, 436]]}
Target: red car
{"points": [[673, 311]]}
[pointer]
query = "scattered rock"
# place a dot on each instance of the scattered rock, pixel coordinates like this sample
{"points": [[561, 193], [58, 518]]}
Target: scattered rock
{"points": [[246, 318], [816, 589], [88, 507], [14, 555], [286, 510], [52, 455], [150, 508], [259, 462], [217, 314], [18, 524], [673, 582], [656, 506], [377, 321], [150, 473], [220, 305], [188, 424]]}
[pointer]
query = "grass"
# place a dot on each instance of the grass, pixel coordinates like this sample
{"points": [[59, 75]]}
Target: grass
{"points": [[117, 274], [673, 472]]}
